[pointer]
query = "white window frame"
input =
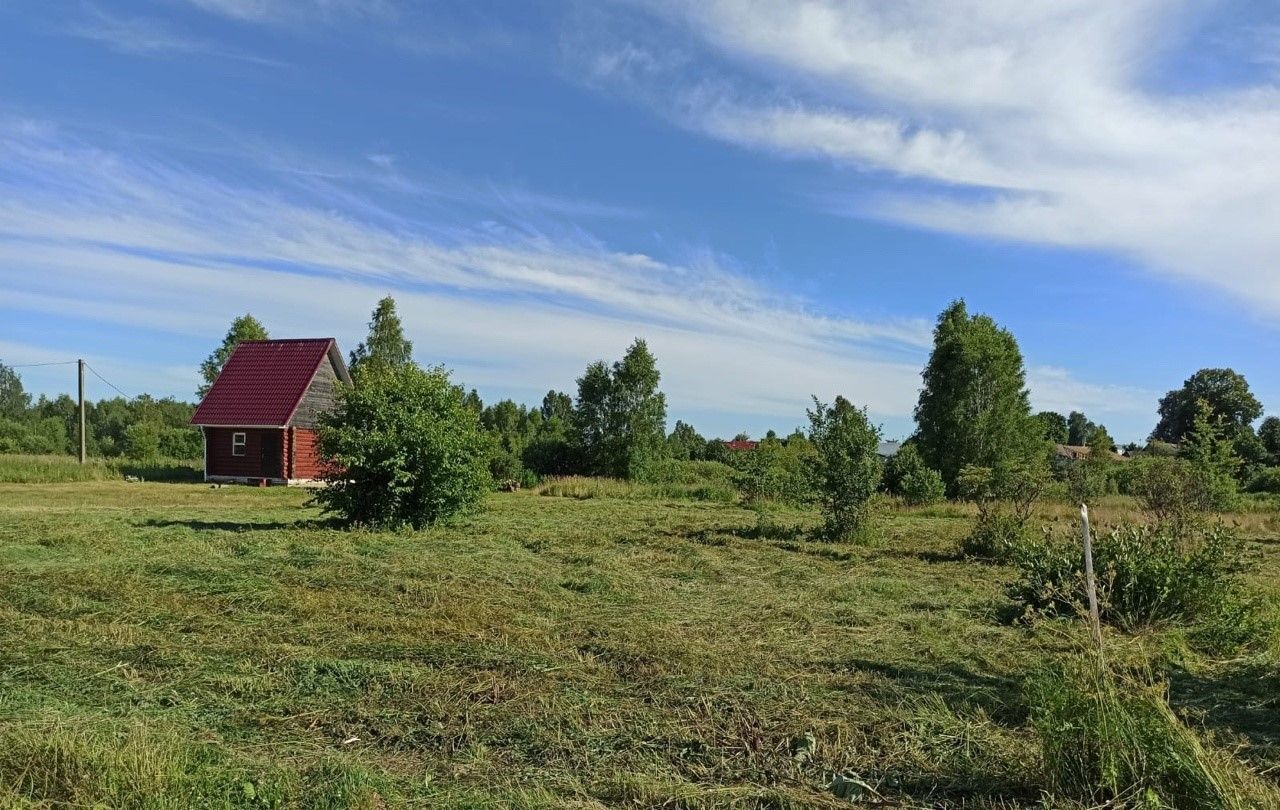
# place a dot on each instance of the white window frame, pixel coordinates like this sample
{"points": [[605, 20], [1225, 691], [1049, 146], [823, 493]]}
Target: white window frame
{"points": [[237, 444]]}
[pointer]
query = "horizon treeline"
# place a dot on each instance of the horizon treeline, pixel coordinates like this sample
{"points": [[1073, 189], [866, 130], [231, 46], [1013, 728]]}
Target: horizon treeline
{"points": [[614, 423]]}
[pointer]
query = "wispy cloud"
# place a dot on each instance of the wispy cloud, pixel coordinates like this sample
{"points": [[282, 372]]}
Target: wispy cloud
{"points": [[294, 11], [139, 239], [143, 36], [1026, 121], [144, 242]]}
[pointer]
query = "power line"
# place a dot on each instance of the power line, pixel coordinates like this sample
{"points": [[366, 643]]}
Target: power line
{"points": [[34, 365], [108, 382]]}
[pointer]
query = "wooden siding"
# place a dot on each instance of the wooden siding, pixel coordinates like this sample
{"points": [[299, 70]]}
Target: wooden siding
{"points": [[306, 463], [220, 462], [320, 396]]}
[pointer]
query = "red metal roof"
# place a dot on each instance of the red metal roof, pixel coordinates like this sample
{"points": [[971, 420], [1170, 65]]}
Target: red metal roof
{"points": [[264, 380]]}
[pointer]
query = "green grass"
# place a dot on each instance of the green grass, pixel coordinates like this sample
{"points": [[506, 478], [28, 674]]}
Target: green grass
{"points": [[26, 469], [172, 646]]}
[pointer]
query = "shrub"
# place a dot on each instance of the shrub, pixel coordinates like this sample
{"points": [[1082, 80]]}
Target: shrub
{"points": [[907, 476], [1110, 739], [1147, 576], [1266, 481], [845, 468], [1176, 492], [1005, 495], [774, 472], [923, 487], [404, 450]]}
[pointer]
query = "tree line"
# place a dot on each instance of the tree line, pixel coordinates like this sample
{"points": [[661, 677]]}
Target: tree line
{"points": [[973, 411]]}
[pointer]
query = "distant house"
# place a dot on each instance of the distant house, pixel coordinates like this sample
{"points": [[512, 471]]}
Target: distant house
{"points": [[887, 450], [259, 418], [1079, 452], [742, 444]]}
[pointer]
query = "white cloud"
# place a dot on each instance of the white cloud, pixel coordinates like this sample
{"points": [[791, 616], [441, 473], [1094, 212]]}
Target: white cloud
{"points": [[146, 244], [143, 36], [1031, 121], [292, 11], [140, 242]]}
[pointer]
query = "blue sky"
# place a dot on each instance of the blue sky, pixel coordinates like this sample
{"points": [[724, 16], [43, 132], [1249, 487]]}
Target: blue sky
{"points": [[779, 197]]}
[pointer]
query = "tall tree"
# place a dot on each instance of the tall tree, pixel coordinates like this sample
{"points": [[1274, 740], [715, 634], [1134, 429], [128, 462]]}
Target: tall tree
{"points": [[620, 415], [1269, 435], [686, 444], [1231, 404], [1053, 427], [1209, 448], [14, 400], [557, 405], [386, 347], [246, 327], [1079, 429], [974, 406]]}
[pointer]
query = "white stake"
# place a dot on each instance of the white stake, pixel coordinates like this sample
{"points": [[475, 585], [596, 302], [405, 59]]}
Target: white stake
{"points": [[1089, 583]]}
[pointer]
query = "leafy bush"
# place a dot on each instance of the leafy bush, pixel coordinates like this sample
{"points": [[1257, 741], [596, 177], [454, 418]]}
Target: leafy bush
{"points": [[1147, 576], [1005, 495], [775, 471], [1266, 481], [404, 450], [907, 476], [1110, 739], [845, 468], [1176, 492], [922, 487]]}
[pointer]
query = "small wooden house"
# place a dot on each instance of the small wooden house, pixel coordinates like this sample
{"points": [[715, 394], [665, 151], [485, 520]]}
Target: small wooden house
{"points": [[259, 418]]}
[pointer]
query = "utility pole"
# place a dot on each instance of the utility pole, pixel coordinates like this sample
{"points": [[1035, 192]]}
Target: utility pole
{"points": [[80, 364]]}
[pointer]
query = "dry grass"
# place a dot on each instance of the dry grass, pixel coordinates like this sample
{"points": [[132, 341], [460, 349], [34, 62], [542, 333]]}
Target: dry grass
{"points": [[176, 646]]}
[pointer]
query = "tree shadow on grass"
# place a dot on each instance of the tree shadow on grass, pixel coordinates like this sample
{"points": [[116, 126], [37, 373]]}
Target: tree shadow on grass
{"points": [[1243, 702], [243, 525], [1000, 697]]}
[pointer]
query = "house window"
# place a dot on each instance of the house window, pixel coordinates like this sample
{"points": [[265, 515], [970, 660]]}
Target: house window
{"points": [[237, 444]]}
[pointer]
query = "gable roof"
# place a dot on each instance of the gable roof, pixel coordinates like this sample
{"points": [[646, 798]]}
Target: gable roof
{"points": [[263, 382]]}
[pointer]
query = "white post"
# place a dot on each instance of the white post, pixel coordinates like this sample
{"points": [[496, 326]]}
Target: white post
{"points": [[1090, 585]]}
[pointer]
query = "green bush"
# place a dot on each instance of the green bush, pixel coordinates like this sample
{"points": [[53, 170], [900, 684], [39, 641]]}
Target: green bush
{"points": [[922, 487], [907, 476], [1176, 492], [845, 469], [775, 471], [1005, 495], [1110, 739], [1266, 481], [1148, 576], [997, 535], [404, 450]]}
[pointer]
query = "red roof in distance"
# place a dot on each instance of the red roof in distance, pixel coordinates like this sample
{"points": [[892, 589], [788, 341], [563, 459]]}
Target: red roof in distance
{"points": [[264, 380], [741, 444]]}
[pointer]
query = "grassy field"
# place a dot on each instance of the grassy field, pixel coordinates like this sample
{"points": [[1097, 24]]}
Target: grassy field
{"points": [[172, 645], [28, 469]]}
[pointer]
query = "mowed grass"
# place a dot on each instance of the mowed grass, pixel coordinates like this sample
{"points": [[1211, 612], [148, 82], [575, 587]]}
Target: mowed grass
{"points": [[173, 646]]}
